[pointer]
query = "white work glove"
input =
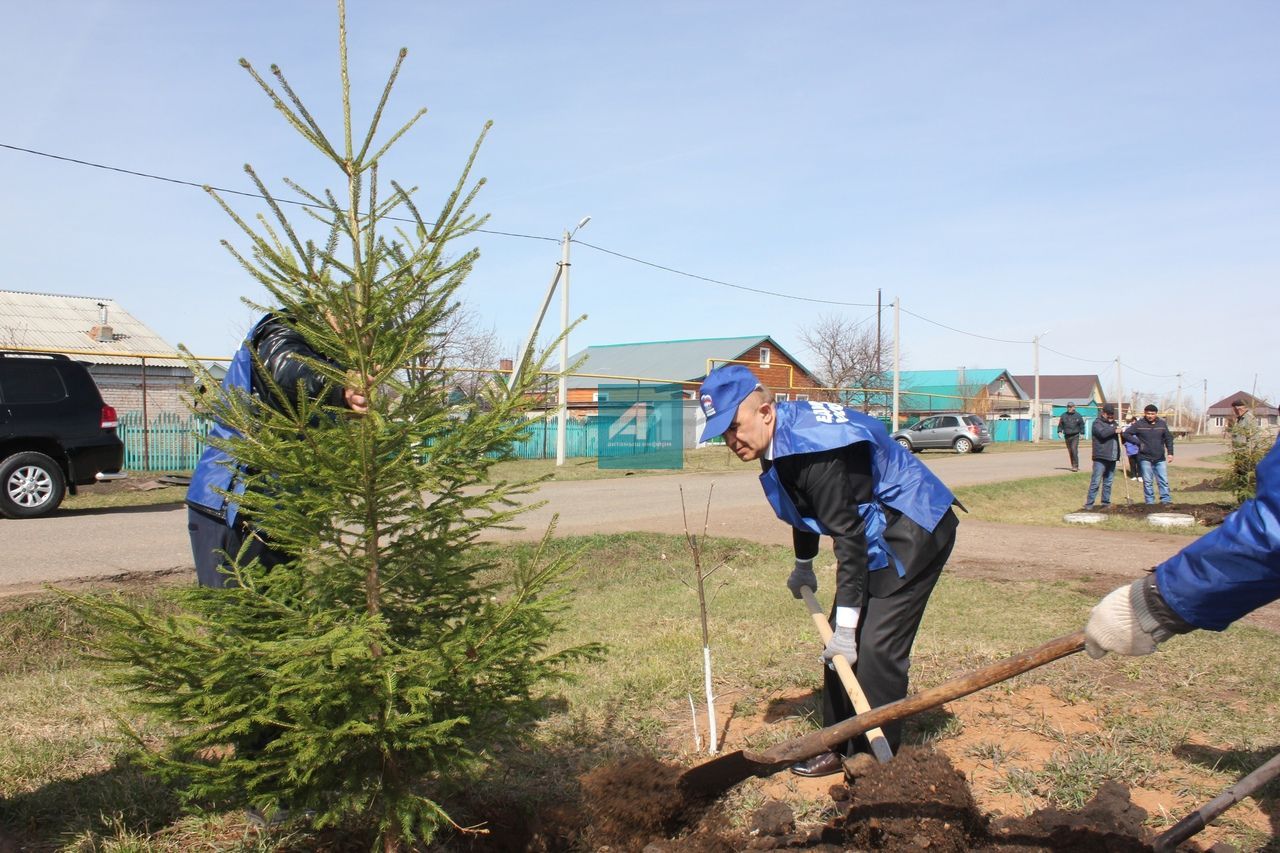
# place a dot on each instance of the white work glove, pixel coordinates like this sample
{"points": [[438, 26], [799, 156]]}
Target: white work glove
{"points": [[844, 640], [1116, 624], [802, 575]]}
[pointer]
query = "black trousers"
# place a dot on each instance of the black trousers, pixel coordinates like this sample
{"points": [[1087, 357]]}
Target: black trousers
{"points": [[886, 632], [211, 538], [1073, 450]]}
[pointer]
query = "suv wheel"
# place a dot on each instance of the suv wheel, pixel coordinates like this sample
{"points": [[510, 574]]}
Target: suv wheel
{"points": [[963, 445], [31, 485], [906, 444]]}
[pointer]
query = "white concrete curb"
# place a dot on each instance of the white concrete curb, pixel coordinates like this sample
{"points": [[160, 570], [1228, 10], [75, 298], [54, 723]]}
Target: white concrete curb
{"points": [[1084, 517], [1171, 519]]}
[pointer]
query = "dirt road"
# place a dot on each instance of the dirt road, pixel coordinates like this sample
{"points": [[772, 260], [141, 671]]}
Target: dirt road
{"points": [[101, 544]]}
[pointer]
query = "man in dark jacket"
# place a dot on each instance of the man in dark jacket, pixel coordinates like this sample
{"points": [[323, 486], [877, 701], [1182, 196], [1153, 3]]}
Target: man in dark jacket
{"points": [[1106, 451], [832, 471], [1152, 436], [213, 522], [1071, 427]]}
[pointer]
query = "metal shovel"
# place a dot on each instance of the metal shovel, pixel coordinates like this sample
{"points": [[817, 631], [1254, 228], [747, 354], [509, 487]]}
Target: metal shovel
{"points": [[714, 777], [1169, 840]]}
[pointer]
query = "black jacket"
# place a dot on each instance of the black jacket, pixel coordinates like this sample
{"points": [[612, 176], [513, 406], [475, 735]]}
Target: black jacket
{"points": [[282, 352], [1106, 447], [1070, 424], [1153, 439], [829, 486]]}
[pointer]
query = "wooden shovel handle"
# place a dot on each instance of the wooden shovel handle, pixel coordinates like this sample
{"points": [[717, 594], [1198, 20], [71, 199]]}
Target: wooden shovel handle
{"points": [[879, 743], [798, 749]]}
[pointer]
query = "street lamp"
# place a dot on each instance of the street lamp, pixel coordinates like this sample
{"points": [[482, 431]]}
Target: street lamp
{"points": [[562, 416]]}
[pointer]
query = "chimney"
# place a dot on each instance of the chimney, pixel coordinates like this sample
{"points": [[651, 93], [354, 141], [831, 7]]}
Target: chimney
{"points": [[505, 364], [102, 333]]}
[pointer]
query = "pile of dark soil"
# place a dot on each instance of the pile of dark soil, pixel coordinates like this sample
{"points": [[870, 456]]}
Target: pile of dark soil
{"points": [[918, 801], [1207, 515], [1217, 484]]}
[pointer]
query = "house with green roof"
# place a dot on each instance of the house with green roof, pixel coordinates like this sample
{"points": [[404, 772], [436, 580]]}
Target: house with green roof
{"points": [[991, 393], [686, 363]]}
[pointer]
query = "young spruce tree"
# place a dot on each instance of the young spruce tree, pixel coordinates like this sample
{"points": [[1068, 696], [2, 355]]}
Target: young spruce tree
{"points": [[385, 659]]}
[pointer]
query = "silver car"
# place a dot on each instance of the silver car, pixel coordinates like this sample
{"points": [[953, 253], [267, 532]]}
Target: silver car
{"points": [[960, 432]]}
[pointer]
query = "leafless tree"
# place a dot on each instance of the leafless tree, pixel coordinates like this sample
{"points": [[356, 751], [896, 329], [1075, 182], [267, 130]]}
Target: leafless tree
{"points": [[845, 357], [468, 350]]}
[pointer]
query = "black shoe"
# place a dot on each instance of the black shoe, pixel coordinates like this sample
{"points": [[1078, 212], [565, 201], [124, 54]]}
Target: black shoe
{"points": [[826, 764]]}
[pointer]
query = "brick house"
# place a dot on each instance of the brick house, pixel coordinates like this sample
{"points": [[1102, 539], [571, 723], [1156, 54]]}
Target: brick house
{"points": [[685, 363], [1221, 416], [135, 368]]}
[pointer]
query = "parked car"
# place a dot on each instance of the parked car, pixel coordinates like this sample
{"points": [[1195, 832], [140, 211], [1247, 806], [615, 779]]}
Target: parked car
{"points": [[56, 433], [958, 431]]}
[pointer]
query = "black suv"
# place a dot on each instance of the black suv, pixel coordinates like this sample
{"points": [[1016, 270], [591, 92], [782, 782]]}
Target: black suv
{"points": [[55, 433]]}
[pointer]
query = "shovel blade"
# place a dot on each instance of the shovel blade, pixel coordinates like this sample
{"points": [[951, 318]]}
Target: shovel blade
{"points": [[712, 778]]}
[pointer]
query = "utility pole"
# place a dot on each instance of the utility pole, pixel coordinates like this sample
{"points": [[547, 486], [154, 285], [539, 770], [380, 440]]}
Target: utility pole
{"points": [[1119, 393], [1035, 411], [1177, 405], [878, 310], [562, 417], [1204, 407], [897, 363]]}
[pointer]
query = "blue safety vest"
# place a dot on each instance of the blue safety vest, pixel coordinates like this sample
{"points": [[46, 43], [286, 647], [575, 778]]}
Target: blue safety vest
{"points": [[217, 475], [900, 481]]}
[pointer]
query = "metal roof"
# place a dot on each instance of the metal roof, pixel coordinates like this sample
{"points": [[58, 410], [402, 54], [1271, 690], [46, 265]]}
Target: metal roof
{"points": [[1067, 388], [666, 361], [49, 321]]}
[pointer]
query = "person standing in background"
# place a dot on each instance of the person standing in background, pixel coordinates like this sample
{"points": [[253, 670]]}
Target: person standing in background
{"points": [[1071, 427]]}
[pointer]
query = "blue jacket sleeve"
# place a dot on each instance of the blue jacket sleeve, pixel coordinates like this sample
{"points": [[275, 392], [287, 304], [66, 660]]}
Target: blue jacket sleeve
{"points": [[1234, 569]]}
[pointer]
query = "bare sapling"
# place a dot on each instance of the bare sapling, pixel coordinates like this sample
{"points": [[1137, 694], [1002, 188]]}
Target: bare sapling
{"points": [[700, 577]]}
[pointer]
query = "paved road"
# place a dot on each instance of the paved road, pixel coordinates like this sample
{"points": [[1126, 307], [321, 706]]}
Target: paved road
{"points": [[104, 543]]}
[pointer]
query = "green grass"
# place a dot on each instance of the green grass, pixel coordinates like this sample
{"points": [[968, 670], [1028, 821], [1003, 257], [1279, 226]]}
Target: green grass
{"points": [[125, 493], [1043, 501], [66, 781]]}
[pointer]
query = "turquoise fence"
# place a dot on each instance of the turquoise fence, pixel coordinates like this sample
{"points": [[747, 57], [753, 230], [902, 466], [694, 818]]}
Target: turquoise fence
{"points": [[173, 442], [170, 442]]}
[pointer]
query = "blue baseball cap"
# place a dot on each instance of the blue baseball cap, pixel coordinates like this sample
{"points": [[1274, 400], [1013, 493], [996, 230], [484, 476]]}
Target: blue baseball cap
{"points": [[721, 393]]}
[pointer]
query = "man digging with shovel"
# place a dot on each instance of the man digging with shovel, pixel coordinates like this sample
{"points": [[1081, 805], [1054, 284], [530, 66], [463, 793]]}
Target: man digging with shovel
{"points": [[829, 470]]}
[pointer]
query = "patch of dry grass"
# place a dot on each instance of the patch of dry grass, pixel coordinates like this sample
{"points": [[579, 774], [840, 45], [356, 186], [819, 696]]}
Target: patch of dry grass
{"points": [[66, 781]]}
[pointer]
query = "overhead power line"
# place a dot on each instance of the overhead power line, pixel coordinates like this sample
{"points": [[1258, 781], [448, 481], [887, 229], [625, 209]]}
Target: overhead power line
{"points": [[960, 331], [631, 258], [725, 283]]}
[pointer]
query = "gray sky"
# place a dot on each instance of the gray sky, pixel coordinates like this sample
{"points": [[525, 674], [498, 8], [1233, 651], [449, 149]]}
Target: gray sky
{"points": [[1106, 173]]}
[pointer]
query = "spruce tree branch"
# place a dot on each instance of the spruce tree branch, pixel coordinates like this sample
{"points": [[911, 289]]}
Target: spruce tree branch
{"points": [[294, 120], [399, 133], [346, 84], [382, 102], [323, 141]]}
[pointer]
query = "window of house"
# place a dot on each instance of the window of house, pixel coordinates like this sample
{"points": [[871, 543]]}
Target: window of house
{"points": [[782, 396], [765, 353], [802, 397], [597, 397]]}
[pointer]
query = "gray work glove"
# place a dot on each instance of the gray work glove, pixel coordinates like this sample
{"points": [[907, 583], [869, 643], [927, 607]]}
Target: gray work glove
{"points": [[802, 575], [1116, 624], [844, 641]]}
